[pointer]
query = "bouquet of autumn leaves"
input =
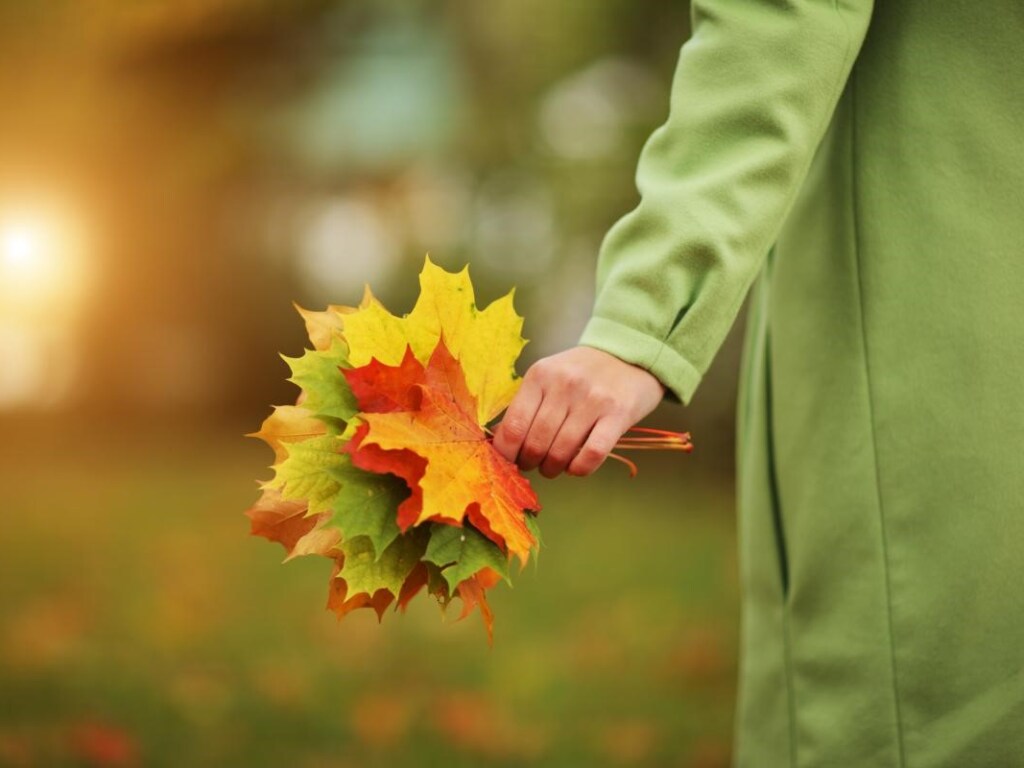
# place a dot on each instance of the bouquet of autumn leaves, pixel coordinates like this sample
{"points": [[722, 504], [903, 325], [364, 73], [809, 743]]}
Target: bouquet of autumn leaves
{"points": [[385, 465]]}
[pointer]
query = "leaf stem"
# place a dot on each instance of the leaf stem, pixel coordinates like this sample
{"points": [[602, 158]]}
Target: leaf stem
{"points": [[631, 465], [663, 432], [660, 440], [644, 439], [668, 447]]}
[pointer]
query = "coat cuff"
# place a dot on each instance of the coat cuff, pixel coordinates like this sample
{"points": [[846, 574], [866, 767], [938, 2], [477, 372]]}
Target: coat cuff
{"points": [[673, 370]]}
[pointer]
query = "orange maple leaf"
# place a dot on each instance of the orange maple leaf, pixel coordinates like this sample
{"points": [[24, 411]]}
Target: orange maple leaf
{"points": [[419, 423], [473, 593], [289, 524], [414, 582]]}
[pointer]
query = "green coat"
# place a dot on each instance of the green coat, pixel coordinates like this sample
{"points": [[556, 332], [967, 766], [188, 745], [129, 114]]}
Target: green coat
{"points": [[865, 166]]}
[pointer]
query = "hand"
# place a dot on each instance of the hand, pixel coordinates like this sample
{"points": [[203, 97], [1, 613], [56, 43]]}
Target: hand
{"points": [[571, 410]]}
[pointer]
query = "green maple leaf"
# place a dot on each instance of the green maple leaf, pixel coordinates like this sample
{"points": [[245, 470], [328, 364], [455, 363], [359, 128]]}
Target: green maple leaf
{"points": [[365, 505], [531, 523], [436, 585], [327, 392], [364, 572], [305, 475], [464, 551]]}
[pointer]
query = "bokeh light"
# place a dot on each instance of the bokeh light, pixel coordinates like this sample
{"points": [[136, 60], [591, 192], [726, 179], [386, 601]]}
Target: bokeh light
{"points": [[41, 263], [43, 284]]}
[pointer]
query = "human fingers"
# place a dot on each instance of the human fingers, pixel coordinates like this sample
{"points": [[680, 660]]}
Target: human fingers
{"points": [[515, 424], [600, 442], [570, 439], [550, 416]]}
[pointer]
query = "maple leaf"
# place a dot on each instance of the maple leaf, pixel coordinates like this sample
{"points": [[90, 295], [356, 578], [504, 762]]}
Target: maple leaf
{"points": [[486, 341], [363, 571], [288, 424], [318, 374], [461, 552], [365, 504], [343, 601], [430, 412], [417, 579], [306, 472], [314, 476], [473, 593], [361, 579], [384, 465], [323, 327], [289, 524]]}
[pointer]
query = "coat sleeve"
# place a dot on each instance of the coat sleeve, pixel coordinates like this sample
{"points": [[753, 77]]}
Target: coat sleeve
{"points": [[752, 95]]}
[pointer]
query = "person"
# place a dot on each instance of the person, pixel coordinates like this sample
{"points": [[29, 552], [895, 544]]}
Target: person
{"points": [[859, 170]]}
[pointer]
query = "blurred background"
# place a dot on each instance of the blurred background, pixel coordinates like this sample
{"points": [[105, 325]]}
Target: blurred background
{"points": [[172, 176]]}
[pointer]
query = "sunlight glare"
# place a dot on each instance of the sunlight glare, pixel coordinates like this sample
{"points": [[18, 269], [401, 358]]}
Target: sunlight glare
{"points": [[28, 260], [40, 263], [43, 286], [20, 248]]}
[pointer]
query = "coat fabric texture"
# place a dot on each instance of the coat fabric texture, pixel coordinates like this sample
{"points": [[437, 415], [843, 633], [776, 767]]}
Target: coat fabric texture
{"points": [[860, 167]]}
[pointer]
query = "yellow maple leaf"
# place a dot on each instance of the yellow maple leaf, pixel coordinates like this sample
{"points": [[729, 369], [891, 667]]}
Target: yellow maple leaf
{"points": [[323, 327], [288, 424], [486, 341]]}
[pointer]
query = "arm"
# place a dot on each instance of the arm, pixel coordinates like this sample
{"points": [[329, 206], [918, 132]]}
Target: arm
{"points": [[753, 92]]}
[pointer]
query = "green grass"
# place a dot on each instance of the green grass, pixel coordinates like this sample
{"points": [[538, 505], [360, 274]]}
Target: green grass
{"points": [[141, 625]]}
